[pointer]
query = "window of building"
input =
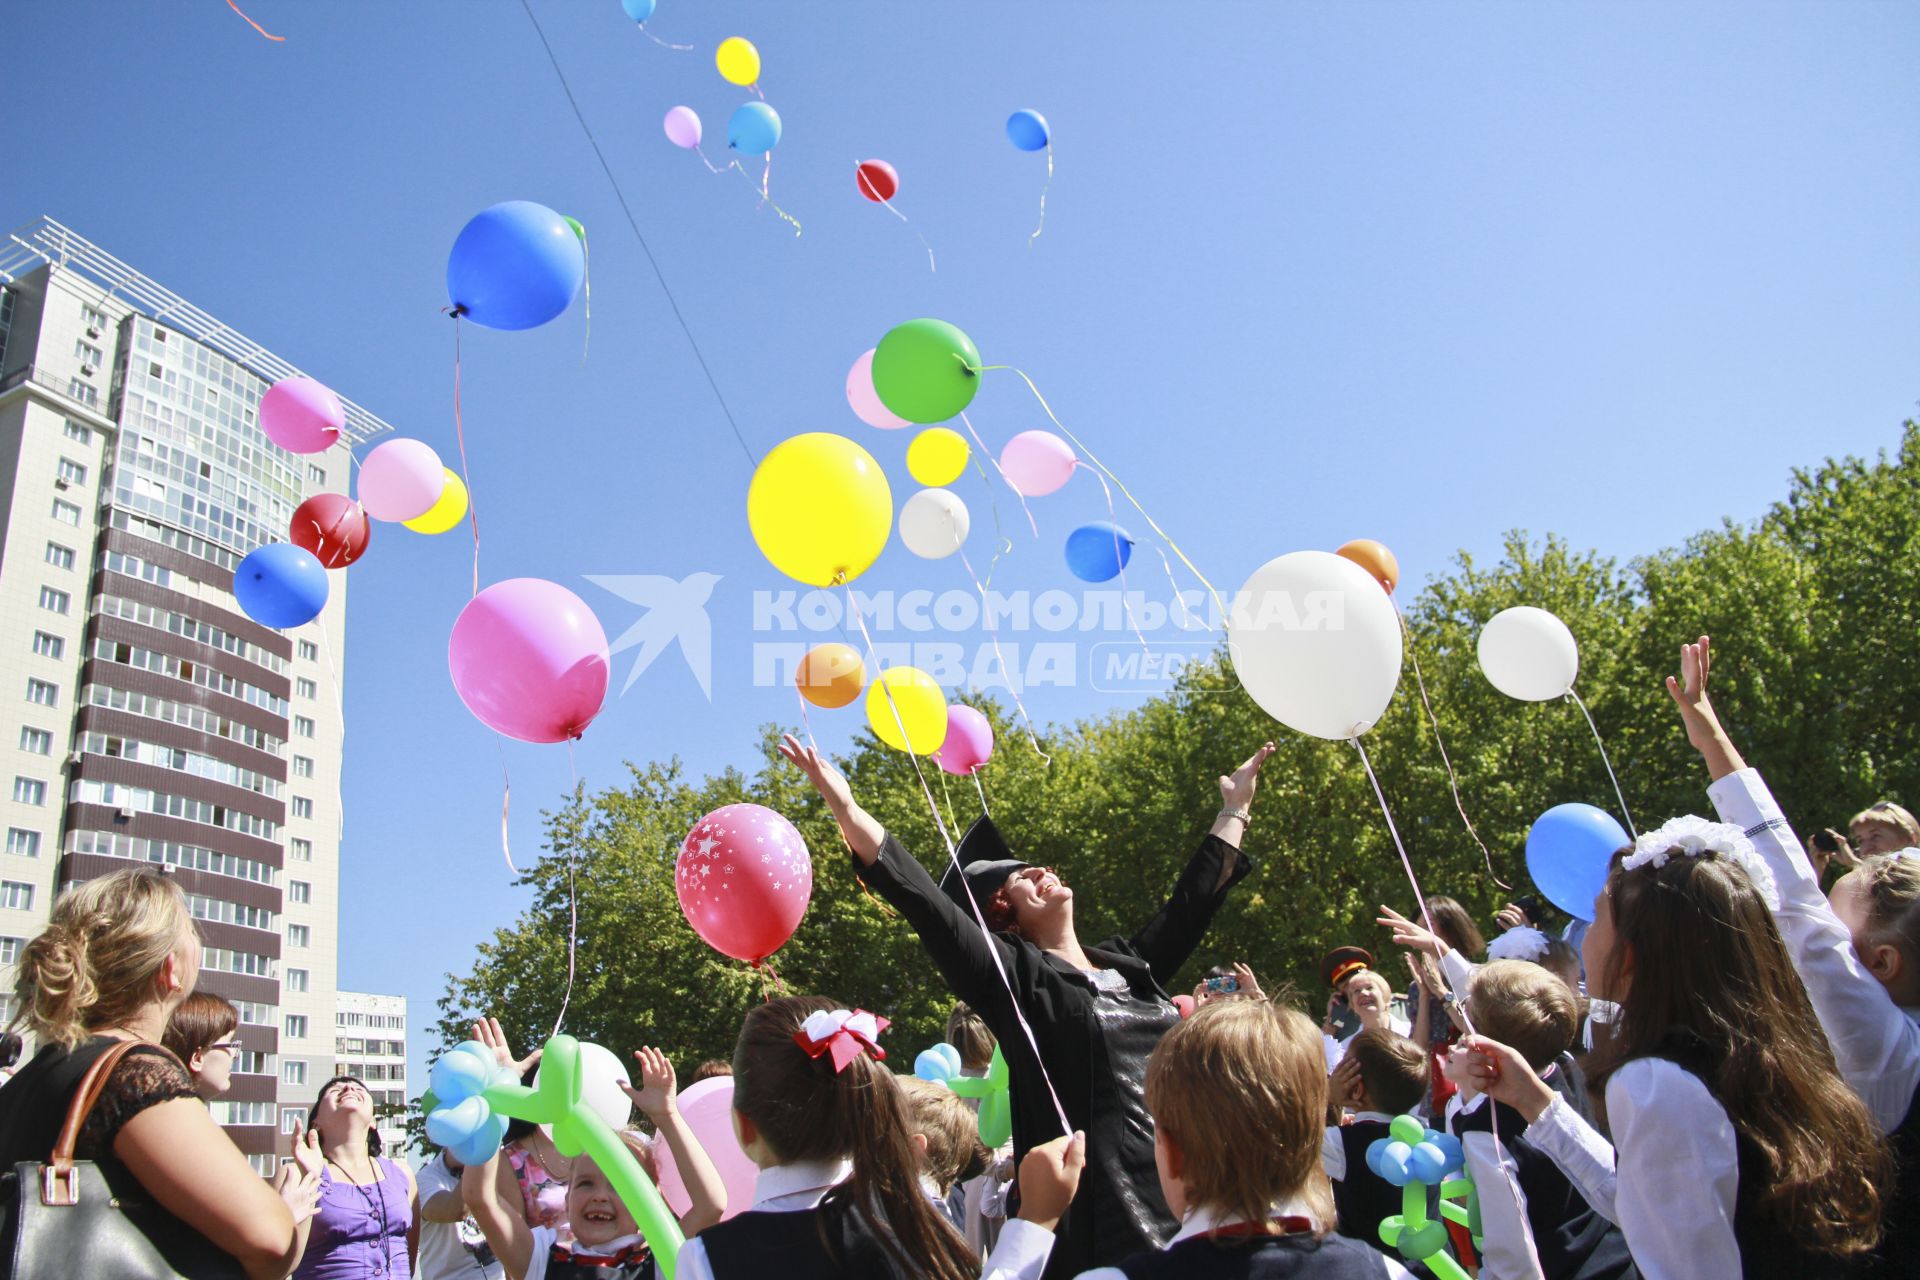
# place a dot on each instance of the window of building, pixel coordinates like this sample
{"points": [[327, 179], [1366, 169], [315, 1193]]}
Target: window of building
{"points": [[291, 1119], [83, 391], [303, 726], [47, 645], [88, 354], [94, 317], [309, 651], [293, 1071], [316, 473], [296, 1025], [303, 766], [29, 791], [44, 692], [38, 741], [16, 896], [299, 935], [55, 601], [65, 512], [302, 850], [305, 688], [299, 891], [302, 807], [242, 1112], [72, 472], [23, 842], [58, 556], [297, 980], [10, 949], [79, 432]]}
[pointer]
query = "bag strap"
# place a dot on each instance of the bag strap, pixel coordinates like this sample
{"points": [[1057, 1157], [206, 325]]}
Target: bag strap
{"points": [[58, 1186]]}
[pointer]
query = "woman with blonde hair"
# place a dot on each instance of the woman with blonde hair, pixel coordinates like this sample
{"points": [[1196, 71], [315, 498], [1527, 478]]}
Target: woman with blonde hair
{"points": [[118, 956]]}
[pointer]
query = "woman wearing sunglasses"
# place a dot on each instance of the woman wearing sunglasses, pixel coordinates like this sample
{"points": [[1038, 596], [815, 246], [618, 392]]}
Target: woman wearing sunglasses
{"points": [[200, 1034]]}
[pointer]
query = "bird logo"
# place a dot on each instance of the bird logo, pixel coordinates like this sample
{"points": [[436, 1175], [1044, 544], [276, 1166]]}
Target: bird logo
{"points": [[675, 610]]}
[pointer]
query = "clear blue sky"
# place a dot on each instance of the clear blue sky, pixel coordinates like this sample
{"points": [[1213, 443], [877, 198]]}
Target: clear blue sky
{"points": [[1420, 272]]}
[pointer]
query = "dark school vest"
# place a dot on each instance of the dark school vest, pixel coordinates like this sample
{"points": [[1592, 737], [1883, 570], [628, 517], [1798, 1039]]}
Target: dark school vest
{"points": [[633, 1263], [1363, 1199], [821, 1243], [1573, 1242], [1231, 1257]]}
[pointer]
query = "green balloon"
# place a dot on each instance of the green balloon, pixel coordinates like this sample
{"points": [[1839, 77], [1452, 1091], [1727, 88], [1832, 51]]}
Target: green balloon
{"points": [[996, 1107], [926, 370]]}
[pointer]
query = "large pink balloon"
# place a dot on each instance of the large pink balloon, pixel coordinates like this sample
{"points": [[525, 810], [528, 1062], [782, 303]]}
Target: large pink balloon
{"points": [[707, 1108], [683, 127], [301, 415], [969, 740], [744, 878], [1037, 462], [401, 480], [866, 401], [529, 658]]}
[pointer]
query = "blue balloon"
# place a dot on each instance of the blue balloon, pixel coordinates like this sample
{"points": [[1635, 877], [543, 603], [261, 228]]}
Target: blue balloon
{"points": [[942, 1062], [486, 1140], [1568, 852], [638, 10], [516, 265], [1028, 131], [1427, 1164], [281, 585], [754, 129], [1098, 551], [449, 1125], [1392, 1164], [1374, 1150], [1450, 1147], [460, 1074]]}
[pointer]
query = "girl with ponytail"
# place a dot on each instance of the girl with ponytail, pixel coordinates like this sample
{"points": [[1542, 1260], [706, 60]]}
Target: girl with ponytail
{"points": [[839, 1187]]}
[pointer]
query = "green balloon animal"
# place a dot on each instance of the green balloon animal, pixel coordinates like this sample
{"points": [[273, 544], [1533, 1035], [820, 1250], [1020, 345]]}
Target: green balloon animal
{"points": [[996, 1104]]}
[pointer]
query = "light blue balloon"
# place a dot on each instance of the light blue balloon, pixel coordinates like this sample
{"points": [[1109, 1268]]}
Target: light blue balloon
{"points": [[754, 129], [449, 1125], [1028, 130], [638, 10], [942, 1062], [1098, 552], [281, 585], [1428, 1164], [1451, 1148], [1569, 848], [461, 1072], [479, 1148], [516, 265], [1374, 1150], [1393, 1163]]}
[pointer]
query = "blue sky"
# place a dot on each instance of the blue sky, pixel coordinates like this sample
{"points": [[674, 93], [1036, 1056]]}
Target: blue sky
{"points": [[1423, 273]]}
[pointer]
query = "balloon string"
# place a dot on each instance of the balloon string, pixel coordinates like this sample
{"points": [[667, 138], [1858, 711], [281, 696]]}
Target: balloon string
{"points": [[761, 187], [755, 87], [1002, 544], [1013, 680], [1453, 782], [256, 26], [1603, 760], [573, 902], [506, 801], [466, 475], [806, 721], [1043, 197], [1113, 518], [586, 256], [1031, 523], [683, 48], [974, 773], [765, 966], [1186, 615], [953, 856], [948, 796], [711, 166], [887, 204], [1118, 482]]}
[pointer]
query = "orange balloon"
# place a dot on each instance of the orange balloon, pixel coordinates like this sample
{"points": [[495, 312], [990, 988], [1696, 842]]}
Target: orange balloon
{"points": [[1375, 559], [831, 675]]}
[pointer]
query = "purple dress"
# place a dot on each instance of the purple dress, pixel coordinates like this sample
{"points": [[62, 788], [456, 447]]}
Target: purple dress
{"points": [[359, 1233]]}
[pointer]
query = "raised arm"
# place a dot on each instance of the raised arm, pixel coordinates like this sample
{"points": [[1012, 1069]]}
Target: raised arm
{"points": [[658, 1100], [485, 1187]]}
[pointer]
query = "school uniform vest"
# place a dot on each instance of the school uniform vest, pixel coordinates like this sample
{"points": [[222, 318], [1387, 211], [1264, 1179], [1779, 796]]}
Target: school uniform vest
{"points": [[1899, 1251], [1363, 1199], [1572, 1241], [1246, 1257], [634, 1263], [822, 1243]]}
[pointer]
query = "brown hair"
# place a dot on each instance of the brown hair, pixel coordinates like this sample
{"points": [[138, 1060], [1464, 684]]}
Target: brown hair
{"points": [[1393, 1068], [805, 1110], [1891, 882], [709, 1069], [1456, 928], [1242, 1087], [1525, 1007], [967, 1032], [374, 1144], [1711, 974], [95, 962], [954, 1150], [642, 1148], [201, 1020], [1888, 814]]}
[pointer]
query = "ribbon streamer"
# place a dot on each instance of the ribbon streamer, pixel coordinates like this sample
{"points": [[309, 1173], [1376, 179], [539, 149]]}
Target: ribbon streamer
{"points": [[887, 204], [982, 789], [683, 48], [256, 26], [1043, 197], [1126, 605], [1453, 782], [573, 904], [460, 430], [766, 178], [1603, 760], [1013, 679], [1031, 523], [586, 256]]}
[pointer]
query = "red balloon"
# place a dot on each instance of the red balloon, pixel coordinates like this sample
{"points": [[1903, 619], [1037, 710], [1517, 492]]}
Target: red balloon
{"points": [[333, 527], [744, 878], [877, 180]]}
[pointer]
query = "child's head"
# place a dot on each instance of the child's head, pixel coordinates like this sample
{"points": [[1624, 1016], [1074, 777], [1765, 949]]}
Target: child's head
{"points": [[595, 1211], [1882, 828], [946, 1132], [790, 1105], [1525, 1007], [967, 1032], [1879, 902], [1238, 1094], [1393, 1070], [709, 1069], [1455, 926]]}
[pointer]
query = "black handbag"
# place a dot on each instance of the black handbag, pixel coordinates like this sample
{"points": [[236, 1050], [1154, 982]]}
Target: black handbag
{"points": [[63, 1220]]}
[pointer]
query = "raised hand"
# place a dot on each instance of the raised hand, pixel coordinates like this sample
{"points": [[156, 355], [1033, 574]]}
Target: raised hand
{"points": [[1049, 1176], [487, 1031], [826, 779], [306, 1150], [1236, 788], [1249, 985], [1511, 916], [1689, 693], [1408, 934], [1493, 1068], [658, 1087]]}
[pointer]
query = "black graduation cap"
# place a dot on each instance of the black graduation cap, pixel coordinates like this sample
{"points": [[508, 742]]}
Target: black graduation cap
{"points": [[986, 862]]}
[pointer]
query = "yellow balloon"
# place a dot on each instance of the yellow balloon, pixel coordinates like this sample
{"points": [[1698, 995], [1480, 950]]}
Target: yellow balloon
{"points": [[820, 509], [446, 513], [738, 60], [917, 705], [938, 456]]}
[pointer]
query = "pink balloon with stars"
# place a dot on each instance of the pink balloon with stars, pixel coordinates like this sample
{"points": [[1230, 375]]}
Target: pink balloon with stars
{"points": [[744, 878]]}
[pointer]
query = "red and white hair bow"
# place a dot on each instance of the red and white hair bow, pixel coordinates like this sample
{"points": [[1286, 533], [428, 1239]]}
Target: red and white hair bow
{"points": [[843, 1035]]}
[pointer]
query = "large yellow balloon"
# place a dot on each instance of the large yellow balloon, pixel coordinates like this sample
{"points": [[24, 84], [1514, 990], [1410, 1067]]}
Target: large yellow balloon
{"points": [[820, 509], [738, 60], [446, 513], [918, 704], [938, 456]]}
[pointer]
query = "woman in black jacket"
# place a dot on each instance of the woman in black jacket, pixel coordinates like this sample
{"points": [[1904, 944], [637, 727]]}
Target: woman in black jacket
{"points": [[1095, 1012]]}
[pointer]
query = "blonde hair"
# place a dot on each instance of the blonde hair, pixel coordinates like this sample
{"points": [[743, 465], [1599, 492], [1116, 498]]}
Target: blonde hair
{"points": [[94, 963], [967, 1032], [1242, 1087], [1888, 814], [954, 1150], [1891, 882], [1526, 1007]]}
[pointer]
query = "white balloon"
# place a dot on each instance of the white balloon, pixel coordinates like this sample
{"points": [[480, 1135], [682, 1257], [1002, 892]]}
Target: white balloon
{"points": [[1529, 654], [1316, 643], [601, 1075], [934, 523]]}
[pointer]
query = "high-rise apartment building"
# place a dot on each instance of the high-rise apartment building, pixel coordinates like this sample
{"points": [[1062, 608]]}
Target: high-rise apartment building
{"points": [[370, 1042], [144, 719]]}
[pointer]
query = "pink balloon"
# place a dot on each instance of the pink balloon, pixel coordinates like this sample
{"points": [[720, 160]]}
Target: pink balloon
{"points": [[707, 1108], [1183, 1003], [866, 401], [301, 415], [683, 127], [401, 480], [529, 658], [744, 878], [1037, 462], [969, 740]]}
